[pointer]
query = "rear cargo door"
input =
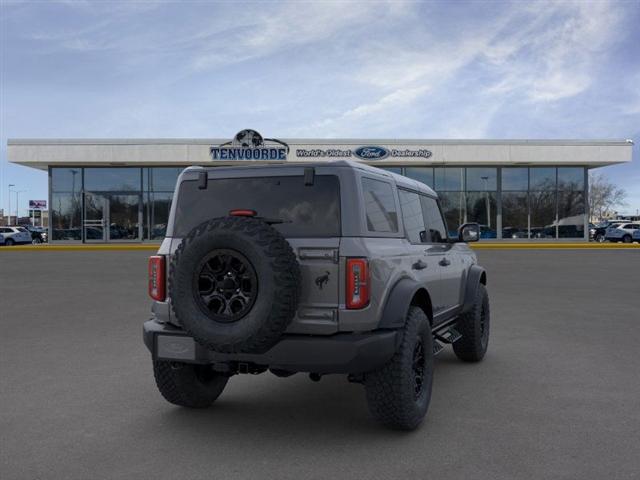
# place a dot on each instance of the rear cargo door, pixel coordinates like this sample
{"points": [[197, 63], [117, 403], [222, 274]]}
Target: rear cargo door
{"points": [[320, 273]]}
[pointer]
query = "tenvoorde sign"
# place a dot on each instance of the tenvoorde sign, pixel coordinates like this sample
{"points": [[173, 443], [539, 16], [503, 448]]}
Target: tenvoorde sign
{"points": [[249, 145]]}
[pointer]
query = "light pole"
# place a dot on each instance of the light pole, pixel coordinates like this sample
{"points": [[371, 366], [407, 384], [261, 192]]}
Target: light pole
{"points": [[18, 192], [9, 215], [73, 196]]}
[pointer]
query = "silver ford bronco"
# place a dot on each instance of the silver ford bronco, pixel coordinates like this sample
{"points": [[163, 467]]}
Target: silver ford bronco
{"points": [[322, 268]]}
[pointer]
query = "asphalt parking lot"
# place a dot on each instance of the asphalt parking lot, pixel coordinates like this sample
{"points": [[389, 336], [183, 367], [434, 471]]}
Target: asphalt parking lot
{"points": [[558, 395]]}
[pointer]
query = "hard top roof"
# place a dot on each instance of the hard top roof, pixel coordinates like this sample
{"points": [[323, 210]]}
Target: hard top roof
{"points": [[400, 180]]}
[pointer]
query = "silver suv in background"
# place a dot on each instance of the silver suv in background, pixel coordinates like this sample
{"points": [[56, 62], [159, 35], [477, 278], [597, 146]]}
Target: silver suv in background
{"points": [[622, 232], [324, 268], [15, 235]]}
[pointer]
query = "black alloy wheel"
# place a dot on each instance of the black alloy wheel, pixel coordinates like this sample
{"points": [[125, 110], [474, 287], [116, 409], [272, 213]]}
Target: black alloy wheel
{"points": [[226, 285]]}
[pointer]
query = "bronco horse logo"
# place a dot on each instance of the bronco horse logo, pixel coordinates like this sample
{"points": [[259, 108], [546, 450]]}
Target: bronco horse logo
{"points": [[322, 280]]}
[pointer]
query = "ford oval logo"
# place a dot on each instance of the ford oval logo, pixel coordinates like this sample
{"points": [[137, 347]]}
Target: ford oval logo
{"points": [[371, 153]]}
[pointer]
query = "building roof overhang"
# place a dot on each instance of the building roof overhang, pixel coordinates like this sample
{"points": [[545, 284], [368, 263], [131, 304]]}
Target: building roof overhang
{"points": [[43, 153]]}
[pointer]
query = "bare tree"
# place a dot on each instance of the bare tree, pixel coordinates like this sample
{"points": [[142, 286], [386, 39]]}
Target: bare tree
{"points": [[604, 196]]}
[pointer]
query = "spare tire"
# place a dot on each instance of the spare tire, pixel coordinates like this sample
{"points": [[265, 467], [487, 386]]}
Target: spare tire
{"points": [[234, 284]]}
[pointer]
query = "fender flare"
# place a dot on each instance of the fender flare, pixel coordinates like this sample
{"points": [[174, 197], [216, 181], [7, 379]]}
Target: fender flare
{"points": [[398, 302], [475, 276]]}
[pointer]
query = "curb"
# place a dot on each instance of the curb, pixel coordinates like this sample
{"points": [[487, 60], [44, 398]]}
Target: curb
{"points": [[49, 248], [475, 246], [555, 246]]}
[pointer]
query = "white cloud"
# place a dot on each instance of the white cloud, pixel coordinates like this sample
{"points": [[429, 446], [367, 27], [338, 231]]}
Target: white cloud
{"points": [[553, 56]]}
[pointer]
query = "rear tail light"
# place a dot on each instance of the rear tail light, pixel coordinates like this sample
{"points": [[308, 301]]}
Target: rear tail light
{"points": [[357, 283], [157, 279], [240, 212]]}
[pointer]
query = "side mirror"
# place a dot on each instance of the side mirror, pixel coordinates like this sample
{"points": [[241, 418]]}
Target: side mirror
{"points": [[469, 232]]}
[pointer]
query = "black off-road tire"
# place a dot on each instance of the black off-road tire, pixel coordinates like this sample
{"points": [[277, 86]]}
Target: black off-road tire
{"points": [[599, 238], [274, 301], [187, 385], [474, 327], [392, 394]]}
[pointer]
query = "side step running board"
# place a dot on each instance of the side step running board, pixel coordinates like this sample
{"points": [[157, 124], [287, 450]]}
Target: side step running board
{"points": [[450, 335]]}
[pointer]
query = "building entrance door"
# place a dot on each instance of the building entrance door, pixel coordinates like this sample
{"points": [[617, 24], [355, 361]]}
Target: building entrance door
{"points": [[112, 217]]}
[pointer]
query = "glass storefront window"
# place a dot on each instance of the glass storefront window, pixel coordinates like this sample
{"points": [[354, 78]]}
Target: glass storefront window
{"points": [[571, 178], [159, 214], [482, 179], [515, 215], [571, 211], [421, 174], [542, 178], [515, 179], [66, 216], [66, 179], [453, 208], [543, 214], [112, 179], [482, 208], [449, 179], [164, 179]]}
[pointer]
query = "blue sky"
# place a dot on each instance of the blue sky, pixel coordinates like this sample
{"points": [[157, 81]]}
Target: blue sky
{"points": [[322, 69]]}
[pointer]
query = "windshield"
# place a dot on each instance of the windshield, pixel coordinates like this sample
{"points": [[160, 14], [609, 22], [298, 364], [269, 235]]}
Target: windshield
{"points": [[304, 210]]}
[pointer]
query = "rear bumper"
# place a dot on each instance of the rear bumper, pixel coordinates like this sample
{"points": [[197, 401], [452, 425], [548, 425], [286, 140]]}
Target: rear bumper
{"points": [[339, 353]]}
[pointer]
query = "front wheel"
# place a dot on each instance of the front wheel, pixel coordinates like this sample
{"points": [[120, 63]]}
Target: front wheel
{"points": [[187, 385], [474, 327], [9, 242], [599, 238], [399, 393], [36, 241], [626, 239]]}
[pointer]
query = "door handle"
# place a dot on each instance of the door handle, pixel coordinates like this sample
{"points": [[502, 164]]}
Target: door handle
{"points": [[444, 262], [419, 265]]}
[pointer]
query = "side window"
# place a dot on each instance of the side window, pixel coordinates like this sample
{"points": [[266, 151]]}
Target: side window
{"points": [[436, 231], [380, 206], [412, 216]]}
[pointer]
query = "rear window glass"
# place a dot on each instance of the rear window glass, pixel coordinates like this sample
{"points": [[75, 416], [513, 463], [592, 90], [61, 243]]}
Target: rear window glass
{"points": [[306, 210], [380, 206]]}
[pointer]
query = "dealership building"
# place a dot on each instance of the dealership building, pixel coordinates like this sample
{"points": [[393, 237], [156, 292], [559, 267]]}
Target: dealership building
{"points": [[120, 190]]}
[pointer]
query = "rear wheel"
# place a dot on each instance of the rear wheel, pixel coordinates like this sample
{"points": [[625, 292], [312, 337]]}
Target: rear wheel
{"points": [[187, 385], [474, 327], [399, 393], [626, 239], [9, 242]]}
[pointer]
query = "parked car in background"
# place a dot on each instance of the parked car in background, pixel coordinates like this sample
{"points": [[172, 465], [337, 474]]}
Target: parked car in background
{"points": [[487, 232], [38, 234], [598, 232], [623, 232], [514, 232], [15, 235]]}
